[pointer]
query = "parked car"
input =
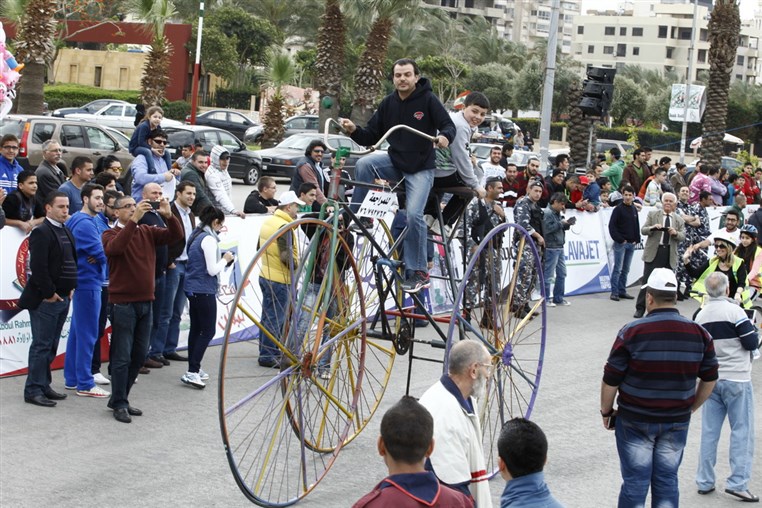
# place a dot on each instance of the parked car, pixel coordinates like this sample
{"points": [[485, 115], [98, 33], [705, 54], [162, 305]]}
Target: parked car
{"points": [[119, 116], [244, 163], [730, 164], [89, 108], [281, 159], [604, 145], [226, 119], [293, 125], [77, 137], [120, 136]]}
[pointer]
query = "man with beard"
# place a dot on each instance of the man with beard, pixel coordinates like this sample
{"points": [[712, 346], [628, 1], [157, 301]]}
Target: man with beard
{"points": [[637, 171], [532, 172], [458, 459], [492, 167], [511, 188]]}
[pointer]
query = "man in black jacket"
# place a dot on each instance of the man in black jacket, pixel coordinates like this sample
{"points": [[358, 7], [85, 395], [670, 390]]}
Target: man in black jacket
{"points": [[47, 294], [624, 228], [409, 156]]}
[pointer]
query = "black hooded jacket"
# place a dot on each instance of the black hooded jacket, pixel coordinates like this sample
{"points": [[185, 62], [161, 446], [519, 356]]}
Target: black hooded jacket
{"points": [[422, 110]]}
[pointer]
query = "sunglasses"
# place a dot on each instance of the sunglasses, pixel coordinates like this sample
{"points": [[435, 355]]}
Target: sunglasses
{"points": [[317, 151], [160, 142], [720, 246]]}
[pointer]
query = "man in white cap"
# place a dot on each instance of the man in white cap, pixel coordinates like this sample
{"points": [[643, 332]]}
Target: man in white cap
{"points": [[653, 365], [279, 262]]}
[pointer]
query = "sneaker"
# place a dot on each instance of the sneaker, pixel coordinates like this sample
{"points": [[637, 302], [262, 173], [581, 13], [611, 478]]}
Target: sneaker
{"points": [[193, 379], [550, 304], [203, 375], [536, 295], [419, 280], [96, 391], [70, 387], [564, 303], [325, 375], [430, 220], [100, 379]]}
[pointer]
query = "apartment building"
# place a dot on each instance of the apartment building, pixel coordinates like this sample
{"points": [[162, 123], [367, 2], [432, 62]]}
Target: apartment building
{"points": [[658, 37]]}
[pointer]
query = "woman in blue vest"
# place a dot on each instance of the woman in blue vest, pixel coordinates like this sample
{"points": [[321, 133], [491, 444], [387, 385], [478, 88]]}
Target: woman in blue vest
{"points": [[201, 284]]}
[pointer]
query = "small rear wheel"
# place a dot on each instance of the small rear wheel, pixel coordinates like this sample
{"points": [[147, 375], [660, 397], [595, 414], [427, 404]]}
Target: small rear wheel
{"points": [[251, 176]]}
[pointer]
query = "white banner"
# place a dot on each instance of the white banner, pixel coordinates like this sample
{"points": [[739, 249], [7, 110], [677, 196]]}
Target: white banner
{"points": [[696, 103]]}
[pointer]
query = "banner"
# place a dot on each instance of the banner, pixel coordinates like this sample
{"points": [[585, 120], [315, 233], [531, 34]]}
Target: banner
{"points": [[696, 103], [588, 254]]}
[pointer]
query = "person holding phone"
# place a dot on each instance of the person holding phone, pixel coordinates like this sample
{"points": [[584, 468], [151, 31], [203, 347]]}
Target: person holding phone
{"points": [[554, 228], [205, 262]]}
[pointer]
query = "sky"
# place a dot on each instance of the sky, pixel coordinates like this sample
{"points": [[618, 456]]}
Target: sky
{"points": [[747, 6]]}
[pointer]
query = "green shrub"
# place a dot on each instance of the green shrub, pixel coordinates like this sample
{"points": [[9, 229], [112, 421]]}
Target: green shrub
{"points": [[234, 98], [176, 110], [71, 96]]}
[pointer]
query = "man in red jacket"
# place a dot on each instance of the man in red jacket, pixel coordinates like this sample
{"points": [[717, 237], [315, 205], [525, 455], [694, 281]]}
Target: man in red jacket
{"points": [[131, 252]]}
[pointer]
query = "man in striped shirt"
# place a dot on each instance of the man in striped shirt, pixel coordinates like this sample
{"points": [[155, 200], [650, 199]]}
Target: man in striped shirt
{"points": [[735, 339], [653, 365]]}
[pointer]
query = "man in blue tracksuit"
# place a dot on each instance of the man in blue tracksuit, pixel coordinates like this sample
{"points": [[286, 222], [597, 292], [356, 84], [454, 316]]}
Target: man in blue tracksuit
{"points": [[86, 304], [409, 156]]}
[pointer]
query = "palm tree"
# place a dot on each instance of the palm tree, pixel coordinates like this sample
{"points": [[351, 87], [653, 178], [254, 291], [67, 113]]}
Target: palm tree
{"points": [[156, 13], [281, 72], [724, 29], [34, 46], [579, 126], [329, 64], [370, 70]]}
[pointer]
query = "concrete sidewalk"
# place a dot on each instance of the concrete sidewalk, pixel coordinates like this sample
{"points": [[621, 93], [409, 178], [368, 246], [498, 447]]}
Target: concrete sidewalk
{"points": [[77, 455]]}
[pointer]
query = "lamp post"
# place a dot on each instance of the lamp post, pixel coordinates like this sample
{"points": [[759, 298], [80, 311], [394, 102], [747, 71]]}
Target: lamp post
{"points": [[197, 65], [688, 81]]}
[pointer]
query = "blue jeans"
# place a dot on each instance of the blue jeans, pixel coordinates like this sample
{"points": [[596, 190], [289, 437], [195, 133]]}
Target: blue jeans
{"points": [[175, 278], [130, 335], [417, 188], [649, 455], [83, 334], [47, 322], [274, 308], [162, 313], [622, 260], [736, 400], [203, 322], [555, 271]]}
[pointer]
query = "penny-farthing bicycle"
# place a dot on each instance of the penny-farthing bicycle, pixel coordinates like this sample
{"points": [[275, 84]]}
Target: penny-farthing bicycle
{"points": [[345, 319]]}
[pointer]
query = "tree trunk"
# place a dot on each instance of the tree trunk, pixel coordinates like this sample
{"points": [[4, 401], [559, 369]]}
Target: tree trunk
{"points": [[370, 71], [329, 63], [29, 89], [579, 128]]}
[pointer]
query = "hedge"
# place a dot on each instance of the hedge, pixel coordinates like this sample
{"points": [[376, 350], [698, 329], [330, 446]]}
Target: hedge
{"points": [[176, 110], [234, 98], [74, 96]]}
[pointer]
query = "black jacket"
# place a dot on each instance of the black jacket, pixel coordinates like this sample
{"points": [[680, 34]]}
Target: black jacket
{"points": [[46, 264], [422, 111], [255, 203]]}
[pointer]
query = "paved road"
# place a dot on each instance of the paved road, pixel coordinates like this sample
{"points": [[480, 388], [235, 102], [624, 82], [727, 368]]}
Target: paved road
{"points": [[76, 454]]}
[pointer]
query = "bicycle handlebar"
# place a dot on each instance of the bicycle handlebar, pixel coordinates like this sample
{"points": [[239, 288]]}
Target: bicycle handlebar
{"points": [[379, 142]]}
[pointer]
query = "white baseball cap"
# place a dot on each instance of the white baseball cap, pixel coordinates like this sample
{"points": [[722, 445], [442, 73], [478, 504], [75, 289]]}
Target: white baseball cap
{"points": [[290, 197], [662, 279]]}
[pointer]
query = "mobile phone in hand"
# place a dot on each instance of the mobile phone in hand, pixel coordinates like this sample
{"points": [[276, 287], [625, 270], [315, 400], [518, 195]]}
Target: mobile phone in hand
{"points": [[155, 204], [612, 422]]}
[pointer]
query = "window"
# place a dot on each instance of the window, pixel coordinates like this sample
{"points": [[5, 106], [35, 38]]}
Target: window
{"points": [[218, 115], [297, 123], [637, 31], [115, 110], [580, 30], [590, 50], [239, 119], [635, 51], [469, 4], [669, 52], [704, 35], [608, 50], [684, 34], [72, 136], [662, 32], [621, 50], [739, 60], [97, 77], [99, 140], [622, 30], [42, 132], [609, 30], [229, 142], [702, 56]]}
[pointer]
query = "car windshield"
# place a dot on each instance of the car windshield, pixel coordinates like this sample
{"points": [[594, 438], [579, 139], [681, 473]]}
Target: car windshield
{"points": [[296, 142], [11, 126]]}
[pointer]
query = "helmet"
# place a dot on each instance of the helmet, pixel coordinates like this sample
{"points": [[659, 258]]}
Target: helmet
{"points": [[726, 237], [749, 230]]}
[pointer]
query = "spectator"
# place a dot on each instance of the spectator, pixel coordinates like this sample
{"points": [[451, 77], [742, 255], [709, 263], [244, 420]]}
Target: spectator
{"points": [[205, 263], [523, 450], [653, 190], [507, 157], [277, 265], [413, 104], [131, 252], [86, 303], [491, 168], [696, 229], [152, 166], [730, 183], [563, 162], [308, 169], [186, 151], [663, 349], [9, 166], [219, 183], [592, 193], [49, 175], [529, 215], [574, 190], [528, 140], [616, 170], [532, 173], [81, 173], [624, 228], [678, 178], [185, 194], [735, 337], [107, 180], [140, 145], [751, 253], [554, 228], [750, 189], [664, 230], [555, 181], [723, 261], [21, 207], [263, 199], [739, 203], [193, 172], [458, 458], [717, 188], [511, 188], [53, 263], [406, 440], [308, 193], [638, 170]]}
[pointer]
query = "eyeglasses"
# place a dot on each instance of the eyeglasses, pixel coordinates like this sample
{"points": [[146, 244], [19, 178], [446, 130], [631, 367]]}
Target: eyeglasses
{"points": [[118, 168], [57, 150], [131, 205], [160, 142], [489, 366], [10, 147], [720, 246], [317, 151]]}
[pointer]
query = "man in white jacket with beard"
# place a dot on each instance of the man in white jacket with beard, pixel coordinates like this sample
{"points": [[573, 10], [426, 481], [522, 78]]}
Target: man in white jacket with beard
{"points": [[458, 457], [219, 182]]}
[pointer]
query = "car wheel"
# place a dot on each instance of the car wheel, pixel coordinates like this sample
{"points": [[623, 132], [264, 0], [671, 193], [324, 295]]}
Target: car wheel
{"points": [[251, 177]]}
